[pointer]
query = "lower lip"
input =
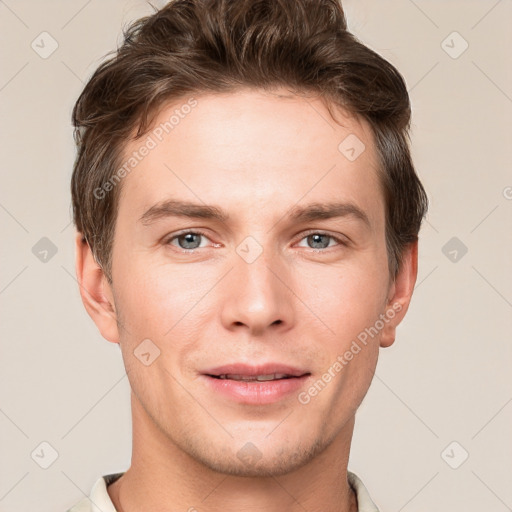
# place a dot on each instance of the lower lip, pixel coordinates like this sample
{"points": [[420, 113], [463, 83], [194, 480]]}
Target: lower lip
{"points": [[256, 392]]}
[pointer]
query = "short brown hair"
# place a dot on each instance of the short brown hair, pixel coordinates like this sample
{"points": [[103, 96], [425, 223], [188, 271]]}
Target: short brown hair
{"points": [[195, 46]]}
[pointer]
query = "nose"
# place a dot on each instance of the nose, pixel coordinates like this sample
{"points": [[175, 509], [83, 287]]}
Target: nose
{"points": [[258, 296]]}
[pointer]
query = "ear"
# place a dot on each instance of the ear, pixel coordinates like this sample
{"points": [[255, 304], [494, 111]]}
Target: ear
{"points": [[95, 290], [400, 294]]}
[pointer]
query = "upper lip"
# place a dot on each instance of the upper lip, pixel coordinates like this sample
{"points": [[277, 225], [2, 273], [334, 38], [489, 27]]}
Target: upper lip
{"points": [[252, 371]]}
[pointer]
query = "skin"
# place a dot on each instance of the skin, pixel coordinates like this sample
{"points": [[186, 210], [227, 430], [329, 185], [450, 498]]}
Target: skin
{"points": [[256, 155]]}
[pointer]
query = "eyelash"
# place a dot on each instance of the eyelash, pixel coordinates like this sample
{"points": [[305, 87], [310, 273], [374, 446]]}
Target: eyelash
{"points": [[339, 241]]}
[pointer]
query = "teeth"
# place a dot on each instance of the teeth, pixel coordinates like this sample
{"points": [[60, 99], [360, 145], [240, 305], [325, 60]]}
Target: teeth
{"points": [[249, 378]]}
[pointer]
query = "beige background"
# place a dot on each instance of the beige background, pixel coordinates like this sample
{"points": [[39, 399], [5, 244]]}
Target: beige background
{"points": [[446, 379]]}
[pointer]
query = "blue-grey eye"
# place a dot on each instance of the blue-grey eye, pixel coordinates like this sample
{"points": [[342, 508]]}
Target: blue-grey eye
{"points": [[189, 240], [319, 241]]}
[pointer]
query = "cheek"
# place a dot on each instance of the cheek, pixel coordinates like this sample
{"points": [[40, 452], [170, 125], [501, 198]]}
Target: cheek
{"points": [[155, 298], [155, 304], [347, 299], [349, 303]]}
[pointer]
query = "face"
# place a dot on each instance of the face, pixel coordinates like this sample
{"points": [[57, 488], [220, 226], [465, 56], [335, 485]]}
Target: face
{"points": [[250, 242]]}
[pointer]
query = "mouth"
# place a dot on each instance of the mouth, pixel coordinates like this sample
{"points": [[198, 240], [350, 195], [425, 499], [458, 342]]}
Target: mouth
{"points": [[253, 378], [256, 385], [263, 372]]}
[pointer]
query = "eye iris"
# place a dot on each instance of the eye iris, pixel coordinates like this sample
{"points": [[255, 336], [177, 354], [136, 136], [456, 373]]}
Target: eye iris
{"points": [[189, 240], [317, 242]]}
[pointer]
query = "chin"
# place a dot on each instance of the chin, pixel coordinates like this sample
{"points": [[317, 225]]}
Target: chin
{"points": [[253, 460]]}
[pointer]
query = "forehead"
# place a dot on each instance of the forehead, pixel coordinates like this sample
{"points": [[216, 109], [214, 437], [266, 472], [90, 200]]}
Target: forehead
{"points": [[253, 151]]}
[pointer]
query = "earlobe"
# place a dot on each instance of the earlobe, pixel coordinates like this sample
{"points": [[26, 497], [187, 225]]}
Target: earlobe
{"points": [[95, 290], [400, 294]]}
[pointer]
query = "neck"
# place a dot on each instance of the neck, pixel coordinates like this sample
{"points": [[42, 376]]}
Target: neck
{"points": [[162, 476]]}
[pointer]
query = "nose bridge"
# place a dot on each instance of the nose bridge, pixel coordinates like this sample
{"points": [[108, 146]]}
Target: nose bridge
{"points": [[256, 296]]}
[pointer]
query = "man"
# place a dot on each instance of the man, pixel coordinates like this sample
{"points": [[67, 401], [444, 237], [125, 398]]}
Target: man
{"points": [[247, 216]]}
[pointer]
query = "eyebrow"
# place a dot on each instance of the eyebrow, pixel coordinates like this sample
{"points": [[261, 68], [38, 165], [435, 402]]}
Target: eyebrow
{"points": [[174, 208], [308, 213]]}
